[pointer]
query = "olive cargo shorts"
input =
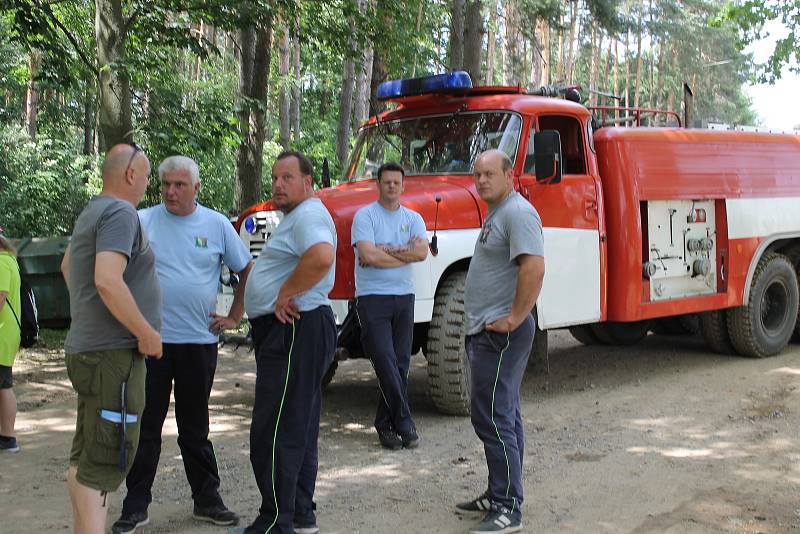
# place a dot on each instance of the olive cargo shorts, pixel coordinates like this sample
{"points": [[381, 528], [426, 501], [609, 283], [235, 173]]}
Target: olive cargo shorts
{"points": [[97, 378]]}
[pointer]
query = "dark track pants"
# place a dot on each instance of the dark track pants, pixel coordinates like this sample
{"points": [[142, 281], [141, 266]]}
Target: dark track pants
{"points": [[387, 331], [290, 363], [192, 368], [497, 362]]}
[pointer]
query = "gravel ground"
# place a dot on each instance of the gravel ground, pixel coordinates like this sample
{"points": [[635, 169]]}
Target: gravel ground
{"points": [[660, 437]]}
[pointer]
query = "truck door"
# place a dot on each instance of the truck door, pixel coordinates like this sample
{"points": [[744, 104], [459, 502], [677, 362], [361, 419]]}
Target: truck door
{"points": [[571, 217]]}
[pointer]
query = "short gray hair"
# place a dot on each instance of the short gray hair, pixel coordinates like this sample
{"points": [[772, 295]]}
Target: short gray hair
{"points": [[179, 163]]}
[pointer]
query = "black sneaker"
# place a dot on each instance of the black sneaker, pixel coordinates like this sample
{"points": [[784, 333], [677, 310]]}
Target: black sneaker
{"points": [[478, 505], [306, 529], [219, 515], [8, 444], [389, 439], [410, 439], [500, 520], [128, 523]]}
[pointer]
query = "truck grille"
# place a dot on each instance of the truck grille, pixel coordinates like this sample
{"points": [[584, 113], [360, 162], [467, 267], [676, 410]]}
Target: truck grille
{"points": [[266, 223]]}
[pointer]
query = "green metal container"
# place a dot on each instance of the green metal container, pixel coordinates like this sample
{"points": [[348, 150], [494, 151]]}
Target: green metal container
{"points": [[40, 263]]}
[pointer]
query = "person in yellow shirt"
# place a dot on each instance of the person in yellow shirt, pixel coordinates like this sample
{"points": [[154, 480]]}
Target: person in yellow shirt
{"points": [[9, 342]]}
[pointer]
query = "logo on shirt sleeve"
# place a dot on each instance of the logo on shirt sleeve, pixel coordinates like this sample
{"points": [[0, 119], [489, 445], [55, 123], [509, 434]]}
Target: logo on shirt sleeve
{"points": [[201, 242]]}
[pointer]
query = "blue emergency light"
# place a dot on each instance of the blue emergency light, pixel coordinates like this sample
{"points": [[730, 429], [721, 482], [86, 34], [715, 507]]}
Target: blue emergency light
{"points": [[250, 225], [449, 81]]}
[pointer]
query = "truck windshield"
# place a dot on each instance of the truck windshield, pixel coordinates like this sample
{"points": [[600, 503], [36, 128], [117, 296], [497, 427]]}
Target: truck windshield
{"points": [[441, 144]]}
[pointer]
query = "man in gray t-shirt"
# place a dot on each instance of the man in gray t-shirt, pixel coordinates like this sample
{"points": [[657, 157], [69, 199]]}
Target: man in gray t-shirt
{"points": [[115, 304], [503, 282]]}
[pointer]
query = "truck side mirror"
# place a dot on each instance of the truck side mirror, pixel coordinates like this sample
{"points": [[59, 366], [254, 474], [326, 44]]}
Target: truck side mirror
{"points": [[547, 151]]}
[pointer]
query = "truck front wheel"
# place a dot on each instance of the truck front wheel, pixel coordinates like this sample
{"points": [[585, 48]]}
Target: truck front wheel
{"points": [[616, 333], [448, 369], [764, 325]]}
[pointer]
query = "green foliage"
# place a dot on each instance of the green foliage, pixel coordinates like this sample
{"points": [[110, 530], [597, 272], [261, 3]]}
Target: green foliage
{"points": [[750, 16], [43, 185]]}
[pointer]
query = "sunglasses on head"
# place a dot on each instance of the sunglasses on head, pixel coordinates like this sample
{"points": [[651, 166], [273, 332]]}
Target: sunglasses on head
{"points": [[136, 150]]}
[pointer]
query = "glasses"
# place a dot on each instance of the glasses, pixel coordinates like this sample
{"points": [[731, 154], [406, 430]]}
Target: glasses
{"points": [[136, 150]]}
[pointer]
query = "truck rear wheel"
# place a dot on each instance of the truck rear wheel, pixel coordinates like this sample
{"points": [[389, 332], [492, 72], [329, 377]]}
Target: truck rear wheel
{"points": [[764, 325], [614, 333], [584, 334], [448, 369], [794, 256], [714, 329]]}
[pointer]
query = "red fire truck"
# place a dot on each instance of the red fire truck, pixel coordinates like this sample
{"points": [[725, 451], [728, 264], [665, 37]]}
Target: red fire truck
{"points": [[645, 228]]}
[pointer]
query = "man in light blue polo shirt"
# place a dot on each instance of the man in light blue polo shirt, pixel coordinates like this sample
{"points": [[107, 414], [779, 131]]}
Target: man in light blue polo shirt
{"points": [[190, 243], [388, 237], [294, 335]]}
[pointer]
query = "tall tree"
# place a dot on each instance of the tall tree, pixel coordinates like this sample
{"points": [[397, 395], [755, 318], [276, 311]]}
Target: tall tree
{"points": [[296, 85], [491, 42], [473, 38], [285, 86], [32, 95], [345, 111], [255, 43], [456, 50], [115, 95]]}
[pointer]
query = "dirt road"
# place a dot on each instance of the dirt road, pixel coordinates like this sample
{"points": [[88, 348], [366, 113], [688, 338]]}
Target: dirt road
{"points": [[662, 437]]}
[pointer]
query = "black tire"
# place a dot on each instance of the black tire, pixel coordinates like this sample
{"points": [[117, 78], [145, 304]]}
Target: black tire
{"points": [[678, 325], [764, 325], [668, 326], [794, 257], [328, 376], [614, 333], [690, 323], [448, 369], [584, 334], [714, 329]]}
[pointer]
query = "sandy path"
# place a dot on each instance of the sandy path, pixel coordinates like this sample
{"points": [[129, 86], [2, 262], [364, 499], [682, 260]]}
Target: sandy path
{"points": [[661, 437]]}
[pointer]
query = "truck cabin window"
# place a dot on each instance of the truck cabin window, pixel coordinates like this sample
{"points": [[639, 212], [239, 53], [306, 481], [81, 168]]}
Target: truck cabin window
{"points": [[434, 145], [572, 147]]}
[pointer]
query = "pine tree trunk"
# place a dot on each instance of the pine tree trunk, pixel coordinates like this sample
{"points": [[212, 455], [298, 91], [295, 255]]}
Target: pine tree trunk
{"points": [[627, 70], [548, 57], [473, 38], [363, 83], [560, 56], [514, 54], [417, 27], [256, 47], [115, 95], [88, 118], [573, 26], [662, 65], [592, 64], [616, 75], [296, 94], [345, 110], [378, 77], [637, 87], [536, 56], [33, 93], [491, 42], [457, 35], [284, 98]]}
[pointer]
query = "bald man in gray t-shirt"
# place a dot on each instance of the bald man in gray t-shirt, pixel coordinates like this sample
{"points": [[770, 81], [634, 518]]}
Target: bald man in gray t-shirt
{"points": [[503, 282]]}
